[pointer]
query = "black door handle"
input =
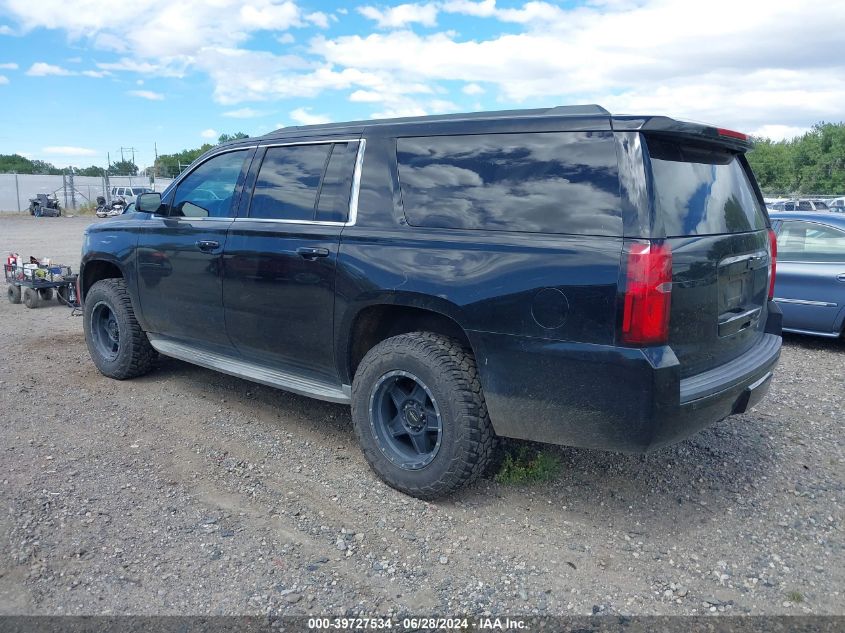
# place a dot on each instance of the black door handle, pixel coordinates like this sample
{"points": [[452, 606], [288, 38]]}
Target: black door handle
{"points": [[311, 252], [208, 245]]}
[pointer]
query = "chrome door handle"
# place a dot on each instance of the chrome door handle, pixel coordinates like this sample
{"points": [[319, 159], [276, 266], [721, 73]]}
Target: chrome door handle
{"points": [[840, 277], [207, 245], [310, 252]]}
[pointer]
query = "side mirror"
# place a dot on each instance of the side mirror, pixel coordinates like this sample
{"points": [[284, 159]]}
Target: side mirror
{"points": [[148, 202]]}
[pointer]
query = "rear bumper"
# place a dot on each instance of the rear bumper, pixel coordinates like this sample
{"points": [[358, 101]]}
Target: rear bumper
{"points": [[613, 398]]}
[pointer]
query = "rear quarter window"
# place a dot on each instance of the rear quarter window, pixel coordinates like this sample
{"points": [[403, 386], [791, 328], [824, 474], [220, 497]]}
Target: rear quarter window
{"points": [[555, 182], [702, 191]]}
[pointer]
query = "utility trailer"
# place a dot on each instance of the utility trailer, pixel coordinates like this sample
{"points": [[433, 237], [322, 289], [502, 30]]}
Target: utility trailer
{"points": [[34, 282]]}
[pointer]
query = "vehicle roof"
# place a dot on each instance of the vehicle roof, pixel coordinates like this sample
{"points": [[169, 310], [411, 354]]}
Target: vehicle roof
{"points": [[572, 115], [825, 217]]}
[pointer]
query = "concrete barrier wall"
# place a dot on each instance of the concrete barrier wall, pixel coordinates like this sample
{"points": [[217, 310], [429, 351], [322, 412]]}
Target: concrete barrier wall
{"points": [[14, 198]]}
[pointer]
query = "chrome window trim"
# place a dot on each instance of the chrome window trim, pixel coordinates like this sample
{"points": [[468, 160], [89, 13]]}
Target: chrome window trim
{"points": [[356, 184], [280, 221], [807, 302], [352, 213], [182, 218]]}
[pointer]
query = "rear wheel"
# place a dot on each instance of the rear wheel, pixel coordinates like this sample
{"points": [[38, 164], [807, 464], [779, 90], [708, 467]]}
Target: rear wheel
{"points": [[13, 292], [118, 346], [420, 415], [45, 293], [30, 298], [63, 295]]}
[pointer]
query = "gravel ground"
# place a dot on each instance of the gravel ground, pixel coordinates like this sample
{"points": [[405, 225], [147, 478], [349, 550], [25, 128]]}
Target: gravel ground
{"points": [[192, 492]]}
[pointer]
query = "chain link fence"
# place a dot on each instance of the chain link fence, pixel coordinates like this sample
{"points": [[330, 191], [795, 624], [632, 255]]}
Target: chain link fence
{"points": [[72, 193]]}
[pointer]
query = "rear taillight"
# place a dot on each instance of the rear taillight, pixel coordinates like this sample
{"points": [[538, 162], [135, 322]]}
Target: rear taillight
{"points": [[648, 288], [773, 262], [732, 134]]}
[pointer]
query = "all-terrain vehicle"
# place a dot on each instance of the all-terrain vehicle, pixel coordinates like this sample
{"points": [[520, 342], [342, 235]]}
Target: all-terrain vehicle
{"points": [[43, 205]]}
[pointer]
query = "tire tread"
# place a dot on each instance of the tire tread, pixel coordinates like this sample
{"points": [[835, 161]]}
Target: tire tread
{"points": [[450, 358]]}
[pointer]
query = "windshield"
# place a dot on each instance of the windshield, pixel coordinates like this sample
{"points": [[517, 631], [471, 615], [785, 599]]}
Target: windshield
{"points": [[702, 191], [137, 191]]}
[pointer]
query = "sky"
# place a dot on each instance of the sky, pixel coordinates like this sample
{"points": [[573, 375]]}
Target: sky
{"points": [[81, 79]]}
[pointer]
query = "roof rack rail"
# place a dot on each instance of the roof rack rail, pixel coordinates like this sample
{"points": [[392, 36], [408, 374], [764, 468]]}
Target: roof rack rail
{"points": [[578, 110]]}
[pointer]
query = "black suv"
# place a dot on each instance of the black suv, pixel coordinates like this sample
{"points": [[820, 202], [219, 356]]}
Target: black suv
{"points": [[560, 275]]}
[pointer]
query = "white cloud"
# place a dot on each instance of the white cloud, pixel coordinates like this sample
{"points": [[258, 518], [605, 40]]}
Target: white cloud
{"points": [[42, 69], [304, 117], [5, 30], [472, 89], [484, 9], [3, 80], [9, 66], [69, 150], [275, 17], [95, 73], [244, 113], [401, 15], [734, 63], [779, 132], [146, 94], [318, 18], [209, 133]]}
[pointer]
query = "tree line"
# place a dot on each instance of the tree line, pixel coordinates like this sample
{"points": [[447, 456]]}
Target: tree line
{"points": [[167, 165], [171, 165], [810, 164]]}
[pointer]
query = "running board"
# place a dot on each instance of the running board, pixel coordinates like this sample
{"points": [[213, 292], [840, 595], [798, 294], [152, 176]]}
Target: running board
{"points": [[252, 371]]}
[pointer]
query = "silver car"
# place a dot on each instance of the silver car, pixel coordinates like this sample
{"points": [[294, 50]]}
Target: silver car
{"points": [[810, 278]]}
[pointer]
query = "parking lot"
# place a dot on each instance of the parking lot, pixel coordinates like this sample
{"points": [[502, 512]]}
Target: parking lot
{"points": [[193, 492]]}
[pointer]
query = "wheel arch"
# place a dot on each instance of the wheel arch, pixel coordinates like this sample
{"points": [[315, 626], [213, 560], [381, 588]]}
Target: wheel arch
{"points": [[95, 270], [400, 314]]}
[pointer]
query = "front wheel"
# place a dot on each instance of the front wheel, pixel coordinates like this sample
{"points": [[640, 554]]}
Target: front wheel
{"points": [[13, 292], [118, 346], [420, 416], [30, 298]]}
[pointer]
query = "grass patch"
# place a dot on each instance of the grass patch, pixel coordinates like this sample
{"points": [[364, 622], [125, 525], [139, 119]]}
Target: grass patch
{"points": [[525, 464], [795, 596]]}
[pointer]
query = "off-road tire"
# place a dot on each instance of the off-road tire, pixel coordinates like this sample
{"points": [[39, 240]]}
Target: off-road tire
{"points": [[449, 370], [13, 292], [63, 295], [30, 298], [135, 355], [45, 294]]}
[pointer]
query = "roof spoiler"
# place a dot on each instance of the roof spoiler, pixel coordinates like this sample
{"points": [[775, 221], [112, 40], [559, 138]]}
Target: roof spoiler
{"points": [[578, 110], [701, 132]]}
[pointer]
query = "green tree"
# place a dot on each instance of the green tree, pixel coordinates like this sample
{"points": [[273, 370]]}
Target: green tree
{"points": [[170, 165], [93, 170], [810, 164], [15, 163], [43, 167], [123, 168]]}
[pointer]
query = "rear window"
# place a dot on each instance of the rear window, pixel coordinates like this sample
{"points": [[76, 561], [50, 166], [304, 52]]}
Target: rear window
{"points": [[555, 182], [702, 191]]}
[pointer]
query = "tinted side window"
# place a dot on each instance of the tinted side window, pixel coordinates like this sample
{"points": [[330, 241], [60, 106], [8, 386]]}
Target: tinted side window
{"points": [[334, 191], [288, 182], [555, 182], [804, 205], [207, 192], [809, 242]]}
